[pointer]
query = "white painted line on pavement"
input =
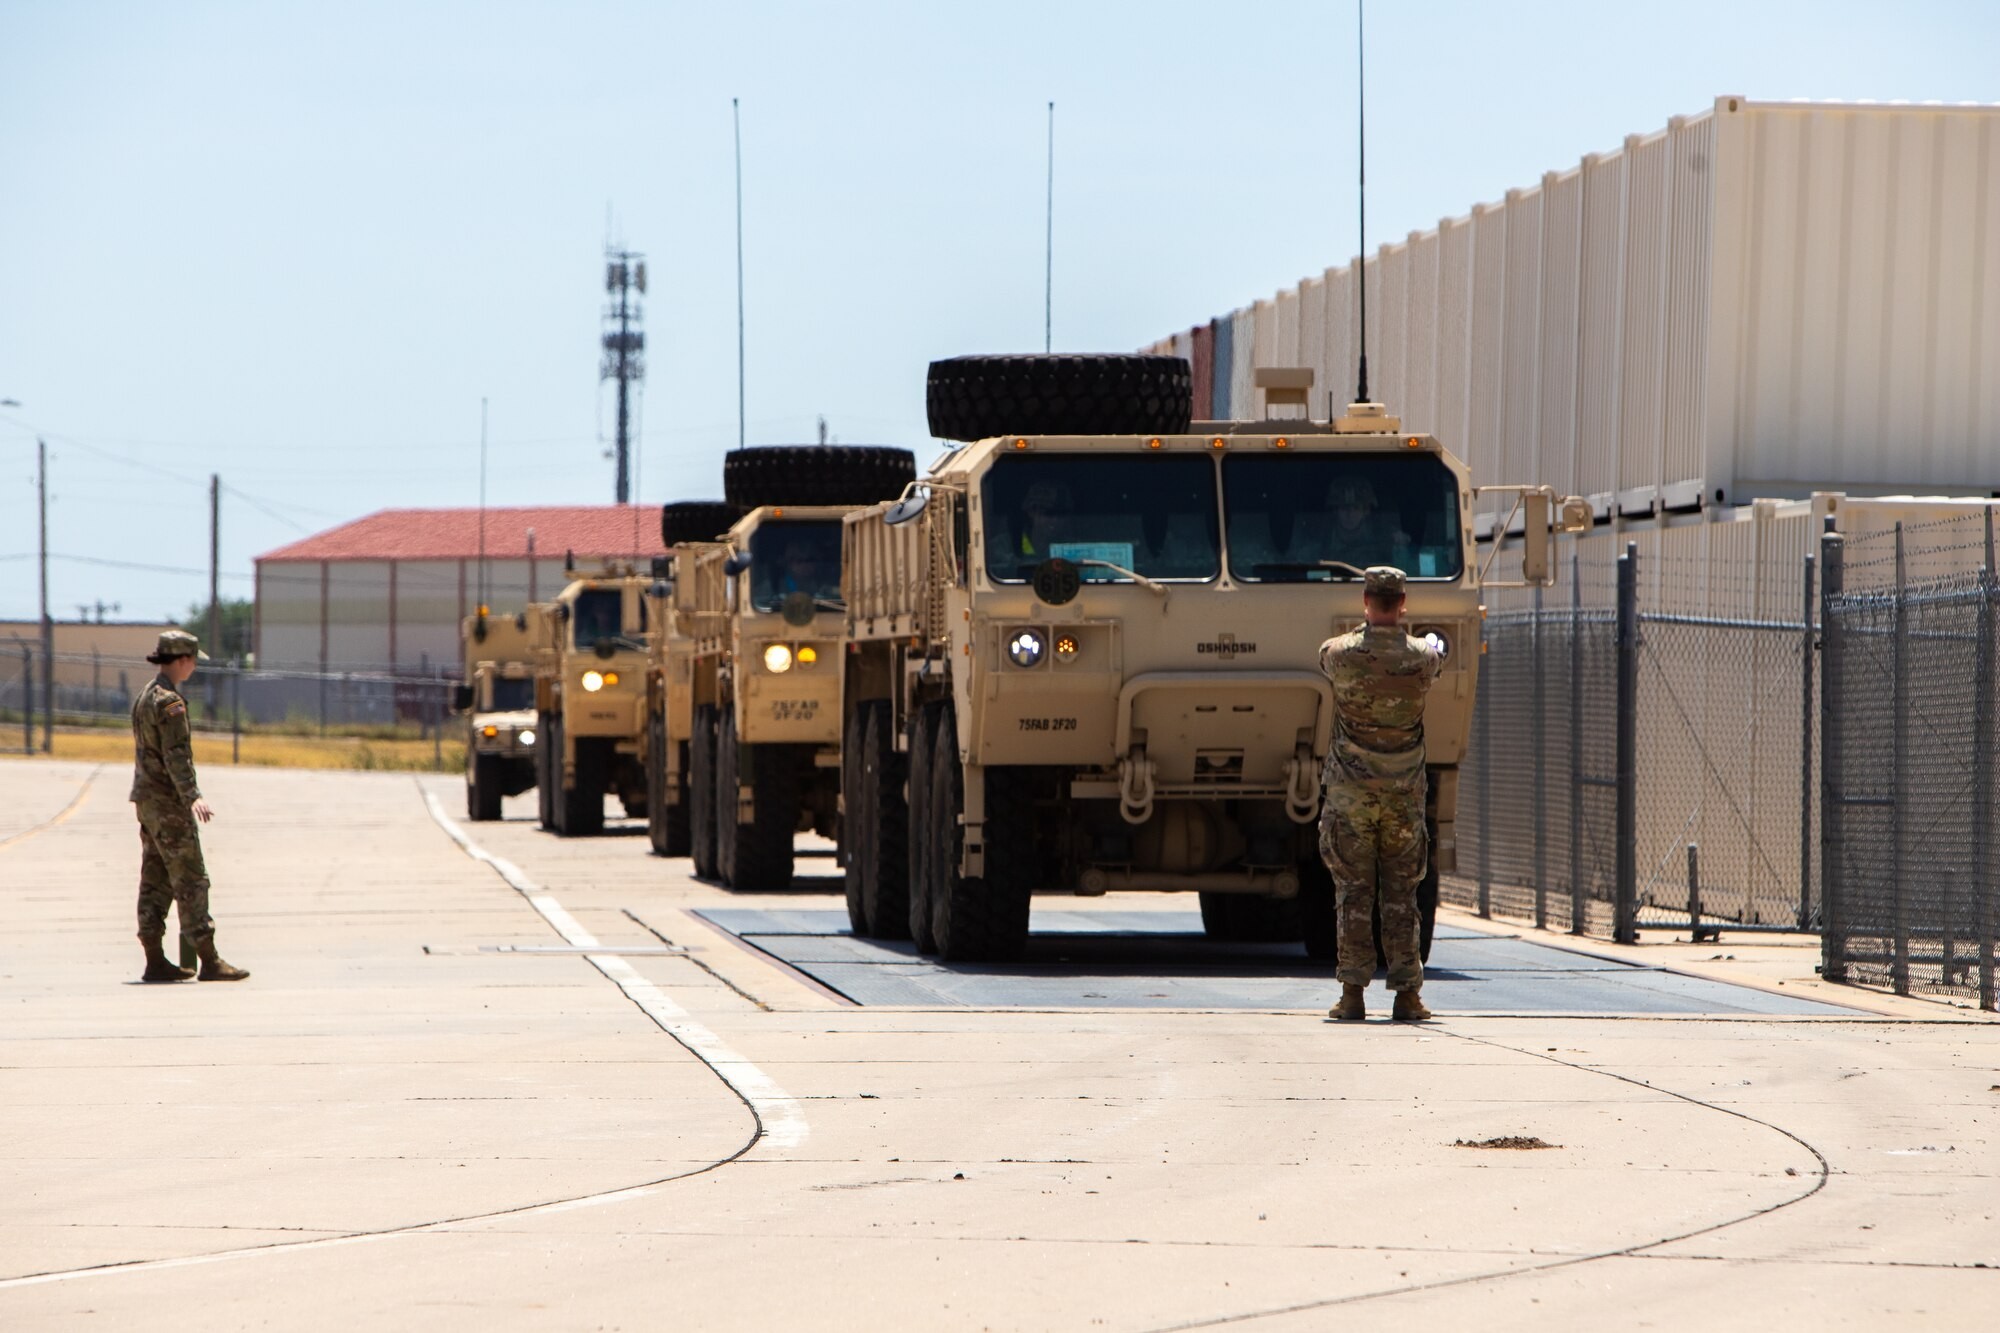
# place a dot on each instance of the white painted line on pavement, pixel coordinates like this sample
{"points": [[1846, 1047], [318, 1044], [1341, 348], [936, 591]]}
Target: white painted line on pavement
{"points": [[778, 1112]]}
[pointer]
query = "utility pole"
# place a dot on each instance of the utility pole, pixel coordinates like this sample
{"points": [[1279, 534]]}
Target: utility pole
{"points": [[624, 348], [214, 586], [48, 625]]}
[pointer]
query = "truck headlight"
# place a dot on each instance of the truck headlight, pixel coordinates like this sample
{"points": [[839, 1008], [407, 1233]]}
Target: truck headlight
{"points": [[1025, 649], [777, 659], [526, 736], [1437, 639], [593, 681]]}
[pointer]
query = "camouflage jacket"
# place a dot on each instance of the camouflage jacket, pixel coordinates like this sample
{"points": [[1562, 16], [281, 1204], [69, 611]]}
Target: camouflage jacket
{"points": [[1380, 677], [163, 747]]}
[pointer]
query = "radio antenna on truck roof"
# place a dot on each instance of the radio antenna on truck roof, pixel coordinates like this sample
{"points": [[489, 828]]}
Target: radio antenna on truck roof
{"points": [[1361, 130]]}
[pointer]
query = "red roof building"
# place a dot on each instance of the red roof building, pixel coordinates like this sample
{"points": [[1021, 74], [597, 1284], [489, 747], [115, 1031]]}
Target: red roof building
{"points": [[387, 592]]}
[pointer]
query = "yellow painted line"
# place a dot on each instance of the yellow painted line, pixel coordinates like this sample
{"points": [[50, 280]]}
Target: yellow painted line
{"points": [[76, 804]]}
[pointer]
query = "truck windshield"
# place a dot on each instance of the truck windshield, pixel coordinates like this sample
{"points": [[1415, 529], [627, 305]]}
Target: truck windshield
{"points": [[1152, 513], [598, 613], [1289, 512], [795, 557], [512, 694]]}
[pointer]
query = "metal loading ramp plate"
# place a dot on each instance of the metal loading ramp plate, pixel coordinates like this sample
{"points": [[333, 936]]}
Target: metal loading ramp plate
{"points": [[1162, 960]]}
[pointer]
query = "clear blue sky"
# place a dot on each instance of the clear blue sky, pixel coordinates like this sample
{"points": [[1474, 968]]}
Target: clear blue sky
{"points": [[295, 244]]}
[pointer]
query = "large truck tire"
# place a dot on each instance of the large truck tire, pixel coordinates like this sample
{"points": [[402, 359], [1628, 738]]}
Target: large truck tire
{"points": [[757, 856], [701, 793], [666, 821], [696, 520], [923, 737], [978, 397], [583, 802], [856, 823], [816, 474], [885, 882], [982, 919], [483, 791]]}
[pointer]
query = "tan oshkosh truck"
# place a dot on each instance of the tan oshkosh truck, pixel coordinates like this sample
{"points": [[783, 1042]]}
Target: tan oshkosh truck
{"points": [[590, 697], [762, 606], [670, 674], [497, 696], [1084, 651]]}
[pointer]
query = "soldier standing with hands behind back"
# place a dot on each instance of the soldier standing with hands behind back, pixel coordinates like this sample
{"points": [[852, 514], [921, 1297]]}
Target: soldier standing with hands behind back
{"points": [[1371, 824], [169, 802]]}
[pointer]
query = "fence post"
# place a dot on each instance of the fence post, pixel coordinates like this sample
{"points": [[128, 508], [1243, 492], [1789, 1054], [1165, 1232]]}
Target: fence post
{"points": [[236, 712], [1625, 905], [1485, 724], [1577, 920], [27, 699], [1808, 664], [48, 699], [1899, 767], [436, 710], [1696, 931], [1982, 772], [1832, 778], [1540, 752]]}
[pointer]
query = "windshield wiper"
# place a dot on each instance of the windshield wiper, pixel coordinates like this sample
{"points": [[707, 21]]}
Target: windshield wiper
{"points": [[1305, 569], [1150, 585]]}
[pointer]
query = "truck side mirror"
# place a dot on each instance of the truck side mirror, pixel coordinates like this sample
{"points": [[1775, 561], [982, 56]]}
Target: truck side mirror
{"points": [[461, 698], [906, 509], [736, 563], [1537, 558]]}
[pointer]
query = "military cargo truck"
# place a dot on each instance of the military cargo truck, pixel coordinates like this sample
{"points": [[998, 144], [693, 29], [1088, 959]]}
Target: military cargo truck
{"points": [[669, 675], [762, 607], [497, 697], [590, 697], [1083, 653]]}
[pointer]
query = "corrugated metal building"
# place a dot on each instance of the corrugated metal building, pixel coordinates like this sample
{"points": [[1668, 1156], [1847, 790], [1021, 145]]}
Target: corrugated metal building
{"points": [[1764, 299], [387, 592]]}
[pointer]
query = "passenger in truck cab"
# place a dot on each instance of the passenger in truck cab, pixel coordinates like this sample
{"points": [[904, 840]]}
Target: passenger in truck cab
{"points": [[1044, 503], [1361, 532]]}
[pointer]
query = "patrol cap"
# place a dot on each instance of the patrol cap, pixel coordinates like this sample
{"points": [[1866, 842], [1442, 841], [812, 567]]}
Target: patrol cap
{"points": [[176, 643], [1382, 581]]}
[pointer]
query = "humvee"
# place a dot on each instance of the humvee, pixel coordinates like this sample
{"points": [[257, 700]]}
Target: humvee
{"points": [[497, 696], [1083, 652], [590, 697], [763, 690]]}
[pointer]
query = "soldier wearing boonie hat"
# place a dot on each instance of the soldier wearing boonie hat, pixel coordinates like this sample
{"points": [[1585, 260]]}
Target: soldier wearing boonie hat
{"points": [[169, 803], [1371, 824]]}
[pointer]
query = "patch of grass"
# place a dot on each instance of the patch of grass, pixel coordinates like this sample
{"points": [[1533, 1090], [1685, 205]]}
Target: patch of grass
{"points": [[263, 750]]}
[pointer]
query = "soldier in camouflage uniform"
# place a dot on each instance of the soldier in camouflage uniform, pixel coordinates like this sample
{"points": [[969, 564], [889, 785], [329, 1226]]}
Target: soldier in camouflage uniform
{"points": [[1371, 824], [169, 802]]}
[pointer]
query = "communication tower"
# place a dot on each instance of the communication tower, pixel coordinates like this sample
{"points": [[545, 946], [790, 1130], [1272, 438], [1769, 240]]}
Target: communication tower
{"points": [[624, 347]]}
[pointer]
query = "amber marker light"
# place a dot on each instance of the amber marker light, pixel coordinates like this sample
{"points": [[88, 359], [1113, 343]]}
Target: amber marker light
{"points": [[1065, 647], [611, 678], [1154, 443], [1218, 443], [1282, 443], [807, 656], [489, 732], [1020, 444], [1412, 442]]}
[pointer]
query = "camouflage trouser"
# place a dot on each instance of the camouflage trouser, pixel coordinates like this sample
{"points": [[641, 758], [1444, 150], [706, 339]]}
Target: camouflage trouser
{"points": [[1374, 842], [171, 871]]}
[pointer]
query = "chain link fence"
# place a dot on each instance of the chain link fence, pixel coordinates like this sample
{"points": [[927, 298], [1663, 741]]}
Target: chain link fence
{"points": [[1908, 773]]}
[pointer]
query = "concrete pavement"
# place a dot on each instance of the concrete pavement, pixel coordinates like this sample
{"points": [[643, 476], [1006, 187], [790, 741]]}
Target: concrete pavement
{"points": [[395, 1123]]}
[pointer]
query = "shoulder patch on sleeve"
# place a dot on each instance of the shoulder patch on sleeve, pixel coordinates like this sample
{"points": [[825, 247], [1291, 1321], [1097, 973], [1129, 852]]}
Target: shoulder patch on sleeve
{"points": [[173, 708]]}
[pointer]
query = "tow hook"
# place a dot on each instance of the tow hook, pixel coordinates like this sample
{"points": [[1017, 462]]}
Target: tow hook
{"points": [[1301, 787], [1135, 786]]}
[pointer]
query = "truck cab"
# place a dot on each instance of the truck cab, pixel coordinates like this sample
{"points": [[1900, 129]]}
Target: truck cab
{"points": [[590, 697]]}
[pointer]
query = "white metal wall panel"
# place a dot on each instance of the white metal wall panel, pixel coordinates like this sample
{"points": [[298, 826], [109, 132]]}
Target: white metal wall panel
{"points": [[1642, 378], [1312, 338], [1600, 298], [1484, 430], [1339, 368], [1561, 263], [1242, 359], [1388, 364], [1454, 327], [1285, 348], [288, 613], [1691, 148], [1418, 402], [357, 614], [1520, 352]]}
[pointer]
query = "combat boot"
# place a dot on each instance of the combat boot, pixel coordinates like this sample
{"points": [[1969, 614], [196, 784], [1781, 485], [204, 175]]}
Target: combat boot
{"points": [[161, 968], [1351, 1008], [214, 969], [1410, 1008]]}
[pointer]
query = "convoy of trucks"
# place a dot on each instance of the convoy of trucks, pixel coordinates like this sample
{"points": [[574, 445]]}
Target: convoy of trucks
{"points": [[1079, 655]]}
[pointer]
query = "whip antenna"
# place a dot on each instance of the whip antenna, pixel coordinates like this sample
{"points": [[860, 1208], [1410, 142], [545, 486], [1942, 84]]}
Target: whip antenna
{"points": [[1361, 123]]}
